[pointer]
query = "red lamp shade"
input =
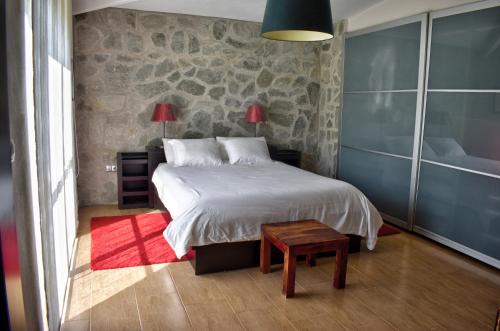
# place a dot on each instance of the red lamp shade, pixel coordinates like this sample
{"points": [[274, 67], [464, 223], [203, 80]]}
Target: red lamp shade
{"points": [[164, 112], [255, 114]]}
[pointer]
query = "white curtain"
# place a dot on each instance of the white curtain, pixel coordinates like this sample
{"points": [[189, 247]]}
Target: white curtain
{"points": [[55, 146]]}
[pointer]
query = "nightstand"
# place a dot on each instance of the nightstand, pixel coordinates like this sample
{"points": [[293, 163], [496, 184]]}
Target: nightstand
{"points": [[132, 172], [288, 156], [135, 170]]}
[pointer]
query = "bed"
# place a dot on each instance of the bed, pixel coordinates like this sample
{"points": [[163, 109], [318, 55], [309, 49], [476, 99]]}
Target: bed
{"points": [[219, 210]]}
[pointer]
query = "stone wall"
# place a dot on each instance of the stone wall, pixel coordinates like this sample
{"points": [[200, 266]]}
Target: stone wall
{"points": [[332, 64], [212, 69]]}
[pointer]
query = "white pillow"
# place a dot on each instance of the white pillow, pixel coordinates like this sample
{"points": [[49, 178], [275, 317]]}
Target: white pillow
{"points": [[222, 148], [196, 152], [169, 151], [400, 144], [446, 147], [246, 150], [427, 151]]}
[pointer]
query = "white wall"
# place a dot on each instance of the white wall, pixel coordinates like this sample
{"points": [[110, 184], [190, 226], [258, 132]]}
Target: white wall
{"points": [[390, 10], [246, 10], [83, 6]]}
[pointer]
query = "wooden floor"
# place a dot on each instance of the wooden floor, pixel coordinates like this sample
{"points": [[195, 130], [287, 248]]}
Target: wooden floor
{"points": [[406, 283]]}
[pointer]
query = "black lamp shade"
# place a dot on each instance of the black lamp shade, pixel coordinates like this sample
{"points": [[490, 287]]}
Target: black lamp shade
{"points": [[298, 20]]}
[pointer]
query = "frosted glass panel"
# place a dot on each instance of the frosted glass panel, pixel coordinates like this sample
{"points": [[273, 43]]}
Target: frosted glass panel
{"points": [[460, 206], [383, 60], [384, 122], [463, 129], [465, 51], [383, 179]]}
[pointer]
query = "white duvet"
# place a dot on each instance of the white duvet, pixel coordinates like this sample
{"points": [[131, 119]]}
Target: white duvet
{"points": [[229, 203]]}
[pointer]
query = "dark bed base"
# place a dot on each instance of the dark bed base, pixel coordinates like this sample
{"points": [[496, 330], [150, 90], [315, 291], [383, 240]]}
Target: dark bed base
{"points": [[246, 254]]}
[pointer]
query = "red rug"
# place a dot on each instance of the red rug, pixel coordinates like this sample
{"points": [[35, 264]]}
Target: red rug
{"points": [[132, 240], [387, 230], [135, 240]]}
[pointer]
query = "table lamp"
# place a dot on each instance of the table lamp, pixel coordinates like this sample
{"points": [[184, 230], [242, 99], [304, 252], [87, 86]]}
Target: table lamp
{"points": [[255, 114], [164, 112]]}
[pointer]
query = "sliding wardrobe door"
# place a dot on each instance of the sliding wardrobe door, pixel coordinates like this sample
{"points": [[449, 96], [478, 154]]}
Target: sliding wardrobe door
{"points": [[383, 88], [458, 201]]}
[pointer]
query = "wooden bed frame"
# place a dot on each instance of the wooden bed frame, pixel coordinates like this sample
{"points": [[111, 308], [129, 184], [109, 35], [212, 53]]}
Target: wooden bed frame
{"points": [[226, 256], [245, 254]]}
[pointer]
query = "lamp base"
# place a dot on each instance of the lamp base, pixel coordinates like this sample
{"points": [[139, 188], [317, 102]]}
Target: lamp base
{"points": [[148, 147], [156, 143]]}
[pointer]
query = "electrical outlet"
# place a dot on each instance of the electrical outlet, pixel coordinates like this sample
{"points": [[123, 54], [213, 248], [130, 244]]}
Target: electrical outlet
{"points": [[113, 168]]}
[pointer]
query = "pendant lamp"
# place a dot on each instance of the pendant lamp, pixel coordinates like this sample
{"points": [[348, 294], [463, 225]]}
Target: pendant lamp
{"points": [[298, 20]]}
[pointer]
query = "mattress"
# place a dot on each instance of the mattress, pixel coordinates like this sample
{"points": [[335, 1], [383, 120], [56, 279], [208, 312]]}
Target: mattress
{"points": [[229, 203]]}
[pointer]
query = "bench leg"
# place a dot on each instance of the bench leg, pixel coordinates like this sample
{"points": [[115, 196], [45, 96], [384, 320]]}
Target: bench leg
{"points": [[289, 274], [311, 260], [265, 255], [340, 268]]}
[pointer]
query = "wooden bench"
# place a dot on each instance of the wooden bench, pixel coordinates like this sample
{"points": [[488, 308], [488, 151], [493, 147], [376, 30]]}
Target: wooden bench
{"points": [[307, 237]]}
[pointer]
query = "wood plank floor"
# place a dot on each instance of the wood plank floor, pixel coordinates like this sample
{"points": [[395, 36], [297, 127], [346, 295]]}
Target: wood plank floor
{"points": [[406, 283]]}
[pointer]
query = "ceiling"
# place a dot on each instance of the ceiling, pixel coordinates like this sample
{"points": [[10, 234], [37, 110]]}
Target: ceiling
{"points": [[246, 10]]}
